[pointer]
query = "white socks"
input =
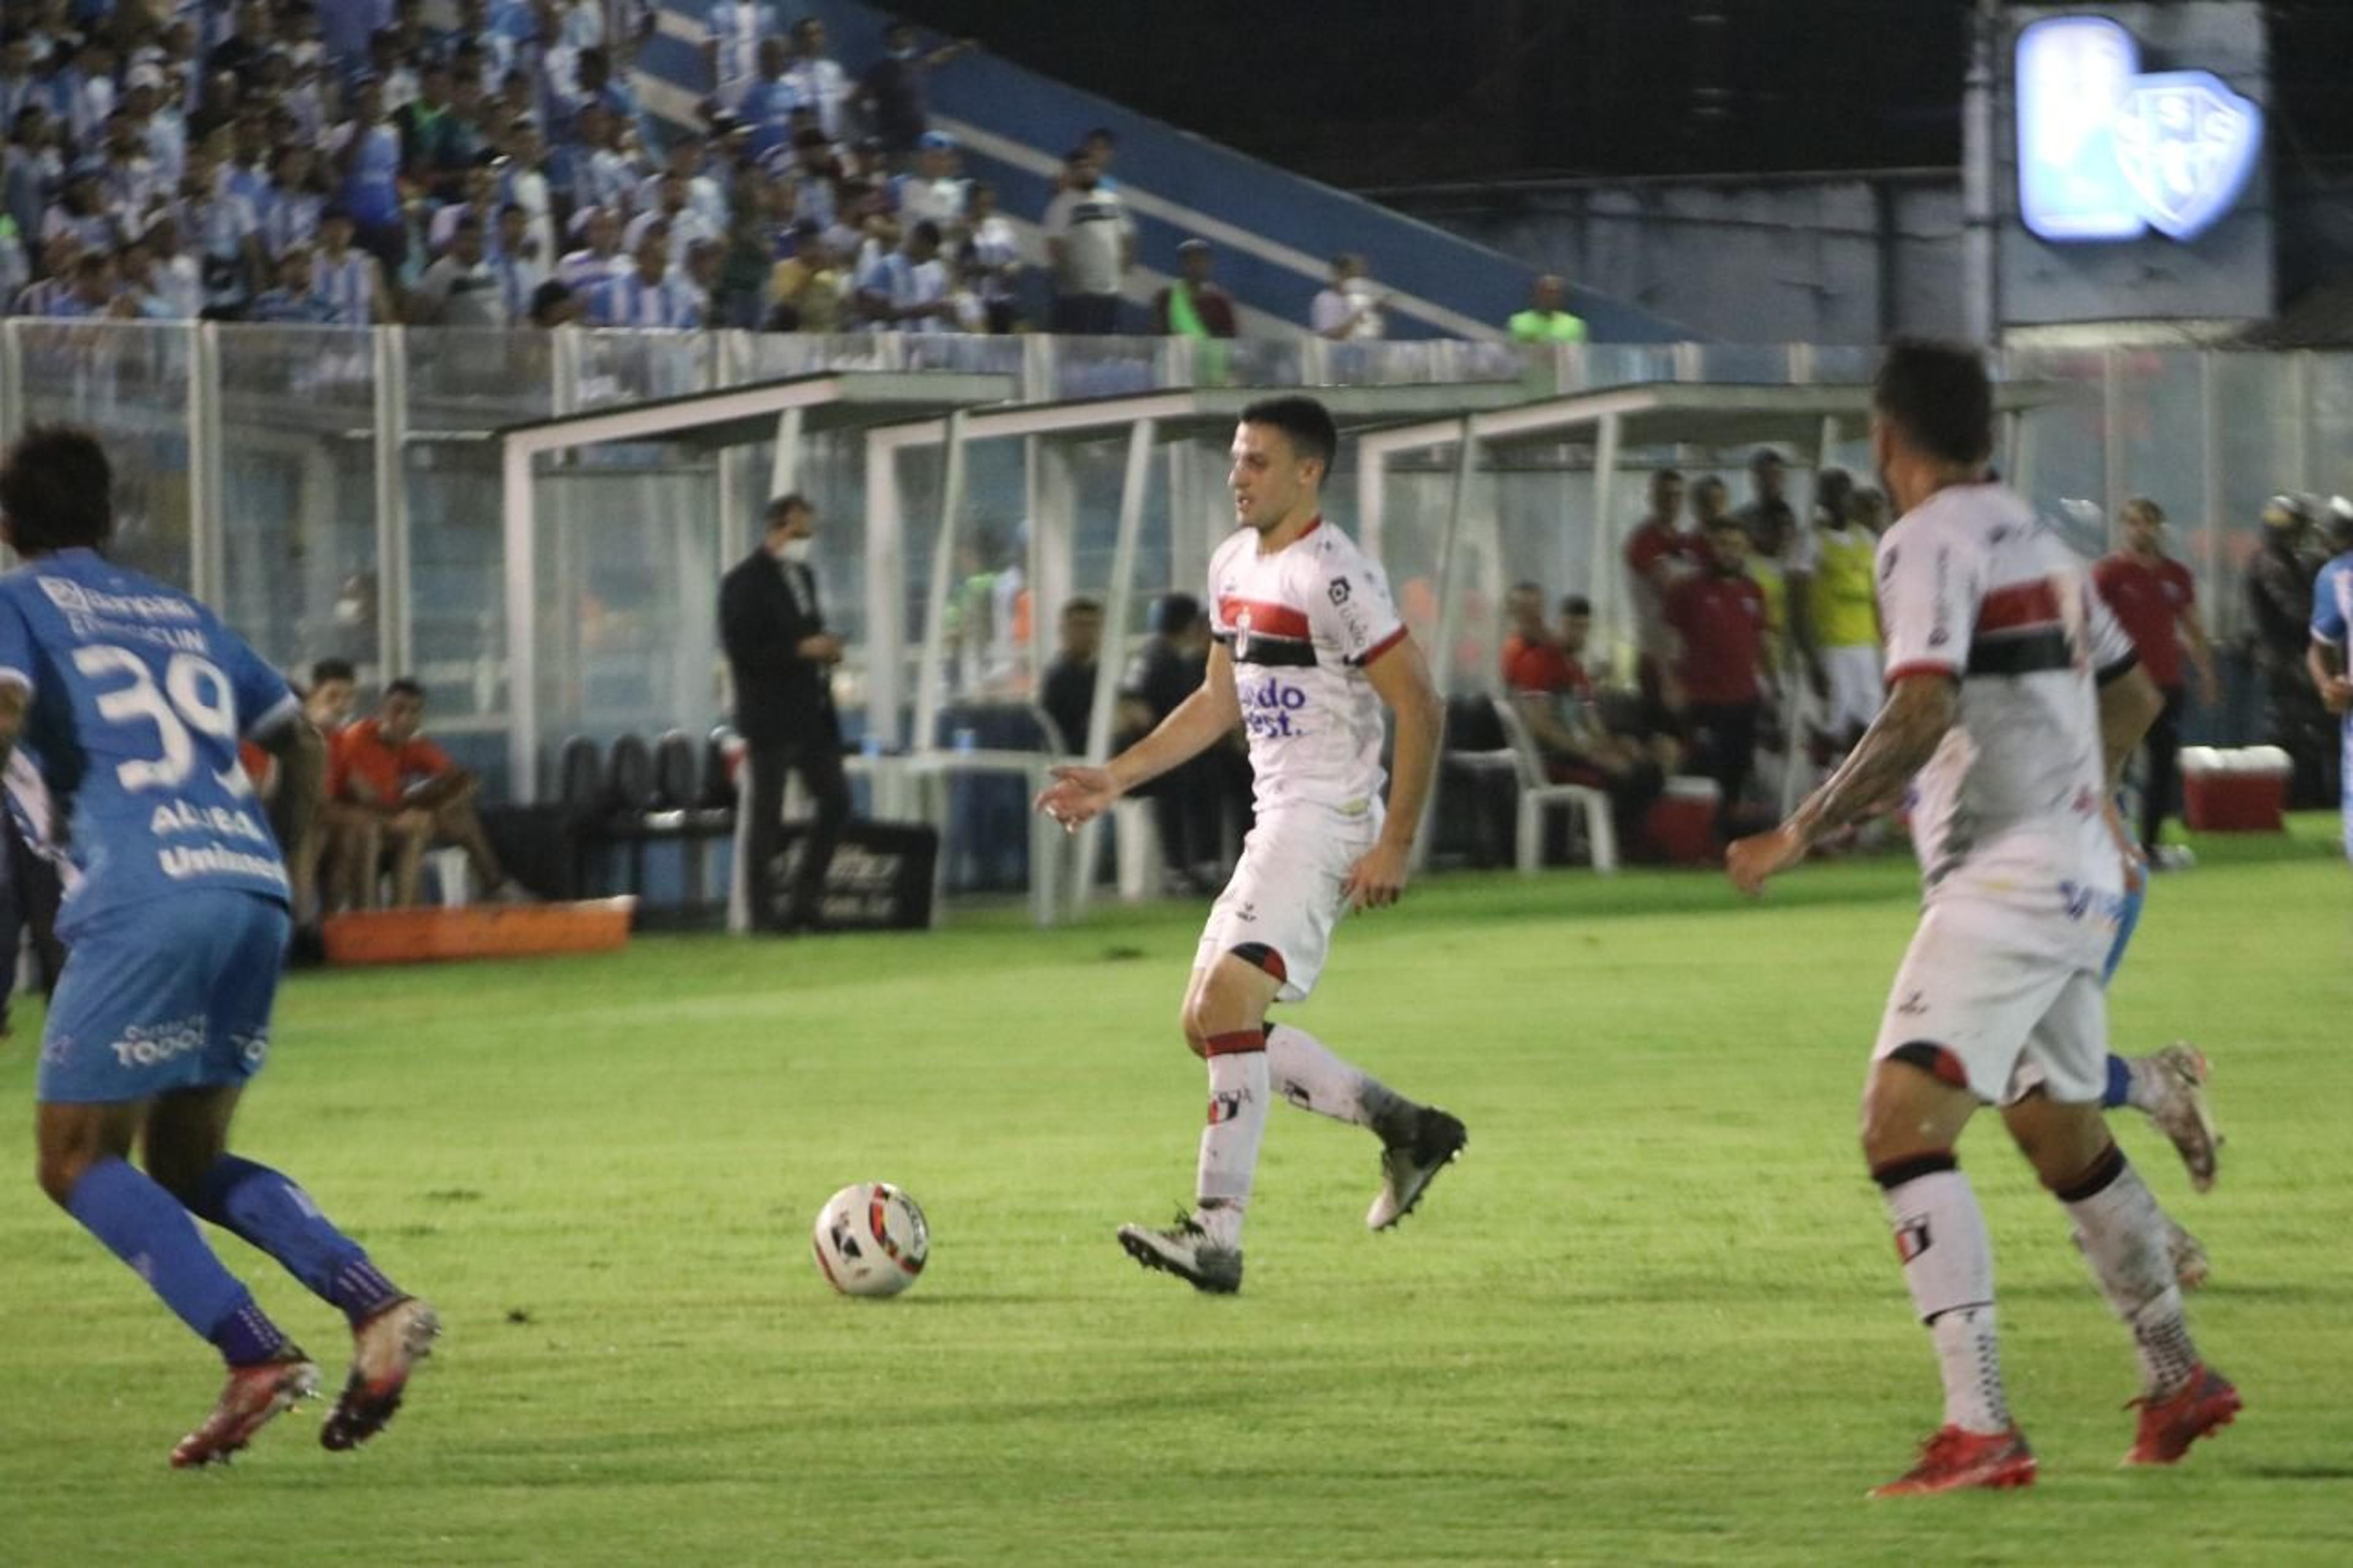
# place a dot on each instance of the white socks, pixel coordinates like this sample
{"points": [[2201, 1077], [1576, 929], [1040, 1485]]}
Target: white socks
{"points": [[2123, 1233], [1310, 1077], [1940, 1235], [1238, 1091]]}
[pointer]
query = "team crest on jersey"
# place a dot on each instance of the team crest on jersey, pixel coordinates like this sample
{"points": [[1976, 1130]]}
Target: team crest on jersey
{"points": [[1339, 590]]}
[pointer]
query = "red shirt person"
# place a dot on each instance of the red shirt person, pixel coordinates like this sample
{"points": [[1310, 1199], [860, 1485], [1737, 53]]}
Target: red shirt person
{"points": [[384, 765], [1659, 553], [2152, 596], [1723, 675]]}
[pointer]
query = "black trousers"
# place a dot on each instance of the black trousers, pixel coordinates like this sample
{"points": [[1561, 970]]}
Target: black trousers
{"points": [[820, 767], [1724, 748], [2160, 790]]}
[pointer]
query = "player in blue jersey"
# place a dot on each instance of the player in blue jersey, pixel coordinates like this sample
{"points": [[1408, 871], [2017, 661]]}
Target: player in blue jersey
{"points": [[2332, 624], [133, 697]]}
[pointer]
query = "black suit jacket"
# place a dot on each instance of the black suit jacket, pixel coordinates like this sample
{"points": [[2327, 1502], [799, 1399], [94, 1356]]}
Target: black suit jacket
{"points": [[780, 697]]}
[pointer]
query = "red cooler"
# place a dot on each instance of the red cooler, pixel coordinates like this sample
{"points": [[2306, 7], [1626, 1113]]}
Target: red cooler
{"points": [[1682, 822], [2241, 790]]}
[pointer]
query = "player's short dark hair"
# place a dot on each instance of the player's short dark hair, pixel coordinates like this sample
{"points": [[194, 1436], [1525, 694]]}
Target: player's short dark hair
{"points": [[58, 490], [1577, 605], [406, 685], [1936, 393], [1662, 476], [1083, 606], [1175, 613], [328, 670], [785, 505], [1305, 421]]}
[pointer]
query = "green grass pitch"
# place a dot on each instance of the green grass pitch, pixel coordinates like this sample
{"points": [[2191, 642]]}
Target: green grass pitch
{"points": [[1653, 1317]]}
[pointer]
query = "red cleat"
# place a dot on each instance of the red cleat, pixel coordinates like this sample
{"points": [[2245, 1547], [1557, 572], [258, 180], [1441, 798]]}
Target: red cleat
{"points": [[1955, 1458], [2205, 1402], [384, 1351], [254, 1395]]}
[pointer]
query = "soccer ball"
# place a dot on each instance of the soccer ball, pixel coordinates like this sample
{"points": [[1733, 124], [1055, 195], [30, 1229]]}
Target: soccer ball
{"points": [[870, 1240]]}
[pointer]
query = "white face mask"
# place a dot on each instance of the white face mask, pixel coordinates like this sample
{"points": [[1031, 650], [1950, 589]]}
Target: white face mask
{"points": [[796, 550]]}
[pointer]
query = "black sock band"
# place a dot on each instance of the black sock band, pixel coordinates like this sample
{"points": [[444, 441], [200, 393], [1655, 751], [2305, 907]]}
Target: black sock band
{"points": [[1895, 1172], [2097, 1177]]}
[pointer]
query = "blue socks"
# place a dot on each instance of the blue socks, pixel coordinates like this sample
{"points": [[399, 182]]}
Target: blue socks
{"points": [[270, 1212], [145, 1226], [2119, 1089]]}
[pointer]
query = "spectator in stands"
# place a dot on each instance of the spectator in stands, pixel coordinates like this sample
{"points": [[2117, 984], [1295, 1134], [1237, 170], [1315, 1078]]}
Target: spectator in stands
{"points": [[906, 289], [599, 260], [1768, 478], [781, 659], [818, 77], [768, 100], [733, 34], [1348, 310], [806, 292], [1103, 145], [931, 190], [1091, 242], [346, 280], [289, 299], [892, 96], [554, 304], [461, 289], [1068, 692], [1659, 553], [2156, 601], [516, 263], [992, 258], [420, 798], [1722, 681], [1547, 319], [2279, 599], [649, 294], [1193, 306], [370, 165]]}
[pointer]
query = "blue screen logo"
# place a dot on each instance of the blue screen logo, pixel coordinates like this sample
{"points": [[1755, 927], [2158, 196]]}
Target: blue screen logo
{"points": [[2106, 153]]}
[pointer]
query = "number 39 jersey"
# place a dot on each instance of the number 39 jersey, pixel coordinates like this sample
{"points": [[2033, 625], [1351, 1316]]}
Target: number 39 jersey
{"points": [[139, 697], [1302, 623]]}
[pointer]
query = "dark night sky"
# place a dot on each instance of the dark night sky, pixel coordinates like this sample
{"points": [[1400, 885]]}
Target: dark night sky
{"points": [[1388, 92]]}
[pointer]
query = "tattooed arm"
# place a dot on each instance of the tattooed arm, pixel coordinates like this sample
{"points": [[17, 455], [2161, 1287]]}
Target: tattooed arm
{"points": [[1900, 741]]}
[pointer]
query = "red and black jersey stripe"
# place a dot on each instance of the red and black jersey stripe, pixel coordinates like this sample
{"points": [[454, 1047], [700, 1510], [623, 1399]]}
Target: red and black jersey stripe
{"points": [[1275, 635], [2019, 632]]}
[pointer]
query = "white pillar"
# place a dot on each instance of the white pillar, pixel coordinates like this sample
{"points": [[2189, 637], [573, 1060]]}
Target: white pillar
{"points": [[929, 676], [886, 631], [1121, 592], [522, 625], [1607, 612]]}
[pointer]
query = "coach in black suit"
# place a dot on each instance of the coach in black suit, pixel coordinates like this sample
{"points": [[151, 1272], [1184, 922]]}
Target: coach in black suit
{"points": [[783, 658]]}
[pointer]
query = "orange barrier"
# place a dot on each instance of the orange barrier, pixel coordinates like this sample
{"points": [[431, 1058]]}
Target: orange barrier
{"points": [[479, 931]]}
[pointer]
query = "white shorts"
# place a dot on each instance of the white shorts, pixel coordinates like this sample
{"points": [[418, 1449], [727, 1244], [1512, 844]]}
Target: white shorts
{"points": [[1285, 896], [1857, 690], [2010, 1000]]}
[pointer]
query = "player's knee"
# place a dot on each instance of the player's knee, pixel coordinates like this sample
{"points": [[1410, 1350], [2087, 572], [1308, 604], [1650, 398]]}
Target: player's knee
{"points": [[61, 1168], [1194, 1021]]}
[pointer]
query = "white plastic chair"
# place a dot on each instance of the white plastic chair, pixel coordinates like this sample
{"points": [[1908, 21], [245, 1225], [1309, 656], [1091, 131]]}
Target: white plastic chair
{"points": [[1539, 796]]}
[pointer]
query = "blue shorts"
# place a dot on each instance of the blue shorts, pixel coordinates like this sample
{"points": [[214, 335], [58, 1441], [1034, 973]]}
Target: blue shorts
{"points": [[172, 993]]}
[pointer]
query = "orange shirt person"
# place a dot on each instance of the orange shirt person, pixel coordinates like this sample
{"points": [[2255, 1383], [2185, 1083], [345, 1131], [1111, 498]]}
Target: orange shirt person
{"points": [[385, 765]]}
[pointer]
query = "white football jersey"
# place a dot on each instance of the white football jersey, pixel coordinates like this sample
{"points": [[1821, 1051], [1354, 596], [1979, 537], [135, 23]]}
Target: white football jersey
{"points": [[1972, 586], [1302, 625]]}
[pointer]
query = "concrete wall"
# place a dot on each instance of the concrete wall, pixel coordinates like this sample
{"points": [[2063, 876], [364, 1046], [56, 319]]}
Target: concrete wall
{"points": [[1835, 260]]}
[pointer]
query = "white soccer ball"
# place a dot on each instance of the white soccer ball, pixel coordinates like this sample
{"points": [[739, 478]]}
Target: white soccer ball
{"points": [[870, 1240]]}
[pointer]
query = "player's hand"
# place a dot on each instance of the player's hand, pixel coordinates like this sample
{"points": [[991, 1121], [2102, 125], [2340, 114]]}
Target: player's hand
{"points": [[1753, 862], [822, 647], [2339, 693], [1377, 880], [2210, 691], [1078, 795], [2128, 850]]}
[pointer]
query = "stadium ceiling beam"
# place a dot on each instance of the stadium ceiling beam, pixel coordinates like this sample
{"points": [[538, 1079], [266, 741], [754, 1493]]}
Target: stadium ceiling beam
{"points": [[1193, 411], [737, 416]]}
